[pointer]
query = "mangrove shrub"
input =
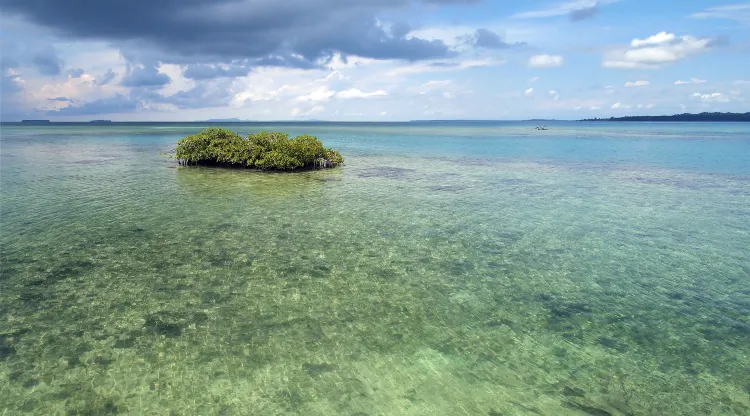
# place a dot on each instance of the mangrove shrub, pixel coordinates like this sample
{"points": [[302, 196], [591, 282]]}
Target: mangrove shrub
{"points": [[266, 150]]}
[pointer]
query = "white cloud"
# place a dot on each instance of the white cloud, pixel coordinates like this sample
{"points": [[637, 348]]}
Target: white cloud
{"points": [[617, 106], [296, 112], [657, 39], [596, 107], [529, 92], [320, 94], [546, 61], [637, 84], [554, 94], [533, 80], [656, 51], [356, 93], [740, 12], [435, 84], [562, 9], [316, 109], [692, 81], [336, 74], [716, 97]]}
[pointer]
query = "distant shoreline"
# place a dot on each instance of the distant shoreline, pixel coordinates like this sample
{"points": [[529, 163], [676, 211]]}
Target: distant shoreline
{"points": [[702, 117]]}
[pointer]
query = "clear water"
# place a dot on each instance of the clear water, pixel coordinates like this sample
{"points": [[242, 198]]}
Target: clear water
{"points": [[451, 269]]}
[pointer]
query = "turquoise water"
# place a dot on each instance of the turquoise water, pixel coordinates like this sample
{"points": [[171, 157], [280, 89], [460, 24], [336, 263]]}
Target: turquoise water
{"points": [[448, 269]]}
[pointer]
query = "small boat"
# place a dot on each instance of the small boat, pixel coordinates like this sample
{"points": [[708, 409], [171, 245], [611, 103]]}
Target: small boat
{"points": [[542, 128]]}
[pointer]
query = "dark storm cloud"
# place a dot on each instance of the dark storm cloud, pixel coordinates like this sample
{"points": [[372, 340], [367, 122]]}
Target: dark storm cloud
{"points": [[226, 30], [584, 13], [47, 62], [145, 77], [111, 105]]}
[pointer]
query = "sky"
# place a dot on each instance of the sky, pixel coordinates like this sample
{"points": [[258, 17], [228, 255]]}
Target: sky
{"points": [[364, 60]]}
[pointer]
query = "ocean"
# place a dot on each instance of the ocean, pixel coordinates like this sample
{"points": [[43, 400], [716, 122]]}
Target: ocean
{"points": [[466, 268]]}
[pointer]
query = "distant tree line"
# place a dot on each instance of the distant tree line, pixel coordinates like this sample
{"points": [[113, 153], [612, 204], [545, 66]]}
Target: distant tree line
{"points": [[681, 117]]}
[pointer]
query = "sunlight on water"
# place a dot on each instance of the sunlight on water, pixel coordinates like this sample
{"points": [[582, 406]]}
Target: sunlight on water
{"points": [[444, 270]]}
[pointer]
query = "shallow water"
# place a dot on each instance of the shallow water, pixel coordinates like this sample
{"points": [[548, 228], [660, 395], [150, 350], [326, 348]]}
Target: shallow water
{"points": [[478, 269]]}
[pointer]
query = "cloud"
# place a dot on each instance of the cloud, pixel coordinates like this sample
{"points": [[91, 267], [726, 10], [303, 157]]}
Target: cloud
{"points": [[692, 81], [10, 85], [8, 63], [716, 97], [533, 80], [211, 71], [484, 38], [575, 10], [637, 84], [451, 2], [355, 93], [111, 105], [203, 95], [145, 77], [75, 72], [47, 62], [740, 12], [546, 61], [554, 94], [320, 94], [618, 106], [299, 32], [658, 50], [443, 66], [529, 92], [106, 78], [296, 112], [593, 108], [584, 13], [657, 39], [61, 99]]}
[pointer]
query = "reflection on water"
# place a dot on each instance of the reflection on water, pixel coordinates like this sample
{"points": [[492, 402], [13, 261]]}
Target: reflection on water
{"points": [[395, 285]]}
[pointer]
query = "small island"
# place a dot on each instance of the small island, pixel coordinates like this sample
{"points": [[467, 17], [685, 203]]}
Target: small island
{"points": [[263, 151], [724, 117]]}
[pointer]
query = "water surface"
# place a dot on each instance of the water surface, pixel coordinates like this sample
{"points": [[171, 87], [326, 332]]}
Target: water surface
{"points": [[473, 268]]}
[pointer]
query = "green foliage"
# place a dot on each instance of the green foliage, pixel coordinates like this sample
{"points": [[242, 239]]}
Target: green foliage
{"points": [[265, 150]]}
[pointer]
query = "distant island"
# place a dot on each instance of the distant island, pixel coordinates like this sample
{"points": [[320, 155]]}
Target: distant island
{"points": [[262, 151], [35, 121], [100, 121], [681, 117]]}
